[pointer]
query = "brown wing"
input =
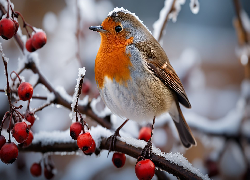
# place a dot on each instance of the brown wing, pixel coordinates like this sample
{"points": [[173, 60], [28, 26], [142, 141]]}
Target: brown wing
{"points": [[158, 63]]}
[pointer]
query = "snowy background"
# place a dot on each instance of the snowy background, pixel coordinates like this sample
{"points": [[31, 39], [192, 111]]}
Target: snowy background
{"points": [[202, 49]]}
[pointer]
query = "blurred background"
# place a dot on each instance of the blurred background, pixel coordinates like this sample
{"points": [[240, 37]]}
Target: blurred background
{"points": [[201, 47]]}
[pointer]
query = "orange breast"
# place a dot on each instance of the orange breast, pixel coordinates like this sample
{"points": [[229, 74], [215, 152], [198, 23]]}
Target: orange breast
{"points": [[112, 60]]}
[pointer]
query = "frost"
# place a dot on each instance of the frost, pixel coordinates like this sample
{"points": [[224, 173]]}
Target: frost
{"points": [[194, 6], [106, 111], [81, 74], [116, 10], [3, 55]]}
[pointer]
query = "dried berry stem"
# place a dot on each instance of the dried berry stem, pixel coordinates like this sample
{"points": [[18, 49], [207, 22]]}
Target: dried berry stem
{"points": [[25, 24]]}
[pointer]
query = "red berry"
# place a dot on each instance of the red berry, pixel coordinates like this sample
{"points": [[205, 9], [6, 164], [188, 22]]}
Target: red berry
{"points": [[25, 91], [145, 133], [145, 169], [20, 132], [84, 141], [212, 166], [91, 148], [2, 141], [75, 130], [30, 117], [36, 169], [29, 45], [7, 28], [48, 173], [28, 141], [118, 159], [39, 39], [9, 153], [86, 85]]}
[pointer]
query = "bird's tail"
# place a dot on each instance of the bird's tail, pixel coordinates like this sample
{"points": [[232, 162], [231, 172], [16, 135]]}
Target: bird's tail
{"points": [[182, 127]]}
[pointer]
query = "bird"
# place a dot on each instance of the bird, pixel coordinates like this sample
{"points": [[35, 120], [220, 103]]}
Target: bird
{"points": [[134, 76]]}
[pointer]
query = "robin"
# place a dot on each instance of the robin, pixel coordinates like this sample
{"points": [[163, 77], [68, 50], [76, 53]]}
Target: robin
{"points": [[134, 76]]}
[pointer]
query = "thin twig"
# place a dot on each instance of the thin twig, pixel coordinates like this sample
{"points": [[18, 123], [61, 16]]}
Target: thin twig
{"points": [[42, 107]]}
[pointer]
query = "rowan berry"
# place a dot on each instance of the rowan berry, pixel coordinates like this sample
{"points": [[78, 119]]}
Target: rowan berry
{"points": [[25, 91], [145, 169], [29, 45], [9, 153], [7, 28], [2, 141], [28, 141], [20, 132], [36, 169], [48, 172], [39, 39], [75, 130], [30, 117], [86, 85], [145, 133], [118, 159], [91, 148], [84, 141]]}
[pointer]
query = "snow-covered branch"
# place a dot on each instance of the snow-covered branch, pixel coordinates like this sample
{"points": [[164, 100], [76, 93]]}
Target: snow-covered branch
{"points": [[60, 142]]}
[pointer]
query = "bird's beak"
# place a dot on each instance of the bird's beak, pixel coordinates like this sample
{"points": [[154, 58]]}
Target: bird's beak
{"points": [[97, 28]]}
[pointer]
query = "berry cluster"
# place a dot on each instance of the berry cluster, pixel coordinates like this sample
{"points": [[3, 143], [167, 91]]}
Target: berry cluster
{"points": [[84, 139], [36, 41], [49, 169], [19, 127], [9, 27]]}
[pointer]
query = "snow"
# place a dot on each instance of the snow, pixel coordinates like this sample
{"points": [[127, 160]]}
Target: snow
{"points": [[175, 158], [37, 30], [98, 133], [194, 6], [105, 112], [116, 10], [81, 74], [49, 138], [50, 97], [177, 7], [64, 94], [163, 13]]}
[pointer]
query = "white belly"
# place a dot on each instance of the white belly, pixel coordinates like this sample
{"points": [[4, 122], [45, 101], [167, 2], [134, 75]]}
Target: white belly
{"points": [[141, 100]]}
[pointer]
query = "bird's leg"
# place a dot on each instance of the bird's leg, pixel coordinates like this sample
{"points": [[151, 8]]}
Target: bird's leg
{"points": [[113, 137], [147, 150]]}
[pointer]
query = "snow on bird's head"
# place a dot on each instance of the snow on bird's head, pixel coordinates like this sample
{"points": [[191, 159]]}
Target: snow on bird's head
{"points": [[121, 13]]}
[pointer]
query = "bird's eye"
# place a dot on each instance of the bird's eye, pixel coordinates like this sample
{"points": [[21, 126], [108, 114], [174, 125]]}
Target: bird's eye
{"points": [[118, 28]]}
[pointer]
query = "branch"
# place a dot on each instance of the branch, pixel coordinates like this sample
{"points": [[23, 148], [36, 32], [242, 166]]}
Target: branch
{"points": [[160, 24], [175, 164]]}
